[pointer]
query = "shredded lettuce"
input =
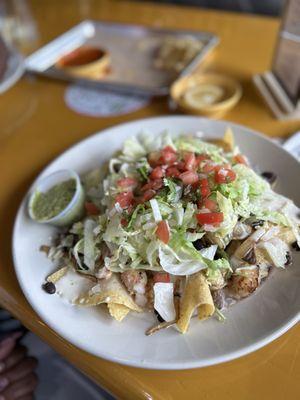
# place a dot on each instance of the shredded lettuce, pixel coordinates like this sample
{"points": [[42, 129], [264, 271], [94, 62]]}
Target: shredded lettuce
{"points": [[77, 251], [133, 218], [244, 190], [155, 143], [143, 168], [155, 209], [133, 149], [182, 257], [89, 245], [191, 143], [230, 217], [175, 191]]}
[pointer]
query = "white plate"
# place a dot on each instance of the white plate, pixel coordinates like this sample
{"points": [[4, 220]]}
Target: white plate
{"points": [[250, 324]]}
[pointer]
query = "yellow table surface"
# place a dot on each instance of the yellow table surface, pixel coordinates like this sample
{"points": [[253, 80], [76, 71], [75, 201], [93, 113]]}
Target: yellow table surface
{"points": [[36, 126]]}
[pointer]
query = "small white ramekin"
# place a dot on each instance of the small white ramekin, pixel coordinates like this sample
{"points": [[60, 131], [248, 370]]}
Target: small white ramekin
{"points": [[74, 210]]}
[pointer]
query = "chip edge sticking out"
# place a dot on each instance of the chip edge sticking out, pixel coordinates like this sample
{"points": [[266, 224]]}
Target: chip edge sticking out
{"points": [[118, 311], [57, 275], [109, 291], [196, 295]]}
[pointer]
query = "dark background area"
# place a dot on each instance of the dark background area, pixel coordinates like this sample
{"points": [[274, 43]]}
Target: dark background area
{"points": [[266, 7]]}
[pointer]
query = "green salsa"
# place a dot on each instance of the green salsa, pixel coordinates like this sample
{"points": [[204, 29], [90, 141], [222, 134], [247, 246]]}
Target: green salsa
{"points": [[49, 204]]}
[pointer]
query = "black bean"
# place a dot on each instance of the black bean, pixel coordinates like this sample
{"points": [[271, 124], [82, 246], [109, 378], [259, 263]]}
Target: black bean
{"points": [[198, 244], [158, 316], [257, 223], [288, 258], [296, 246], [49, 287], [269, 176], [117, 167], [250, 257]]}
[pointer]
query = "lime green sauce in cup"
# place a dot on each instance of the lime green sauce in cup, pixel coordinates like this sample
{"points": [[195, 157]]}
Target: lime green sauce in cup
{"points": [[58, 199]]}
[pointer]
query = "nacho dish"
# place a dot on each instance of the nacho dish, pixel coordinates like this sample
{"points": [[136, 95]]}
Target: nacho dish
{"points": [[180, 227]]}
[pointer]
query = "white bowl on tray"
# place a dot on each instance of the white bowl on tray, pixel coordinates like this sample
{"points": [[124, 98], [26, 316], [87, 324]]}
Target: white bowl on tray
{"points": [[250, 324]]}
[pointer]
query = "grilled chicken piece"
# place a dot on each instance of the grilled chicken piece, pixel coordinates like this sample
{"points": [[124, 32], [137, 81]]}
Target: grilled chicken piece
{"points": [[135, 281], [243, 282]]}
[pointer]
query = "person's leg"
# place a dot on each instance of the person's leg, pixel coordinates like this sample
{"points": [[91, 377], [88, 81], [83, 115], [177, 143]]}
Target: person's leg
{"points": [[17, 378]]}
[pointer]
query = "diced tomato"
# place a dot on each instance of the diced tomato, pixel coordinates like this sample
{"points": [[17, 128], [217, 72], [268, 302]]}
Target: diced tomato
{"points": [[155, 185], [125, 199], [224, 175], [190, 161], [200, 158], [205, 191], [91, 208], [147, 186], [172, 172], [240, 159], [127, 182], [153, 158], [124, 222], [157, 173], [168, 156], [203, 182], [149, 194], [169, 149], [131, 207], [210, 204], [181, 166], [204, 187], [195, 185], [162, 232], [208, 167], [231, 176], [163, 277], [210, 218], [221, 175], [189, 177]]}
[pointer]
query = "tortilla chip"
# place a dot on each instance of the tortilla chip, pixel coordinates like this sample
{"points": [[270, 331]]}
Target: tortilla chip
{"points": [[286, 235], [228, 139], [196, 295], [69, 284], [108, 291], [118, 311], [227, 142], [55, 277], [261, 256]]}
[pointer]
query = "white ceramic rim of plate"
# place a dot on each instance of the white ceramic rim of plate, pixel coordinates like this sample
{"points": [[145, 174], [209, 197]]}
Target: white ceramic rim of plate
{"points": [[156, 364]]}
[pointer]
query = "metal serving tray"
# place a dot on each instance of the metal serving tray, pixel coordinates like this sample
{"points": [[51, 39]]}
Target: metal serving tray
{"points": [[131, 49]]}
